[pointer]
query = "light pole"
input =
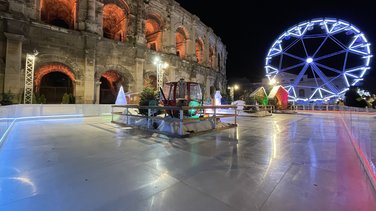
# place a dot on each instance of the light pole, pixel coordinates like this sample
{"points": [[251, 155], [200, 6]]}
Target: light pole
{"points": [[29, 77], [160, 66], [232, 91], [236, 87]]}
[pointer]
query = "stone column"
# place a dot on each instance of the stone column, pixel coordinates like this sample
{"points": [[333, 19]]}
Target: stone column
{"points": [[207, 88], [82, 15], [169, 37], [90, 24], [12, 79], [189, 51], [89, 70], [99, 12], [79, 91], [89, 82], [91, 10], [139, 75], [191, 43], [172, 73], [97, 91], [140, 23], [206, 49]]}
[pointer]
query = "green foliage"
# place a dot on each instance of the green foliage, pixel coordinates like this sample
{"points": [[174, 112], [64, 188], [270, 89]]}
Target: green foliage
{"points": [[42, 99], [72, 99], [7, 98], [148, 97], [261, 100], [65, 99], [39, 99], [68, 99]]}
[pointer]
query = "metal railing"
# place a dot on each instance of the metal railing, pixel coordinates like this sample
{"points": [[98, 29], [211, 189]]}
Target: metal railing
{"points": [[172, 113], [255, 108], [317, 107], [360, 124]]}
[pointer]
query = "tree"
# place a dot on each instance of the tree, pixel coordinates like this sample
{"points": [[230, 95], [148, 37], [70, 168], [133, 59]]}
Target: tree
{"points": [[7, 98], [65, 99], [148, 97]]}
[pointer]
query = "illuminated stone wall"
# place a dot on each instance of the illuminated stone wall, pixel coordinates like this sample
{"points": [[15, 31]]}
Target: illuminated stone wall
{"points": [[114, 39]]}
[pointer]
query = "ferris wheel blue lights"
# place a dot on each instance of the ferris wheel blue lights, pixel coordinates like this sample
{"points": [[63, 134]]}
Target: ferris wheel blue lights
{"points": [[319, 59]]}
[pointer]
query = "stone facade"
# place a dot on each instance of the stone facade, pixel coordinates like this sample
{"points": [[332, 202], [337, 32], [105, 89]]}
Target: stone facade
{"points": [[114, 39]]}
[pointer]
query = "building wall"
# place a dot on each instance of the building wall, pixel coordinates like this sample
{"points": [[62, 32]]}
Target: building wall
{"points": [[89, 52]]}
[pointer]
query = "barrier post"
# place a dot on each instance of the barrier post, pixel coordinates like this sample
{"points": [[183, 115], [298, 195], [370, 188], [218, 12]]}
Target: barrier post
{"points": [[215, 118], [127, 115], [148, 118], [181, 116]]}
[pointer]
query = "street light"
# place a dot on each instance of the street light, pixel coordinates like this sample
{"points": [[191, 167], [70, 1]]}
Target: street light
{"points": [[232, 90], [160, 66]]}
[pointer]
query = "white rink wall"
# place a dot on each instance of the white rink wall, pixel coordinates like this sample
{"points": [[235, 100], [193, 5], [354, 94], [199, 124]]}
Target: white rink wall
{"points": [[10, 114]]}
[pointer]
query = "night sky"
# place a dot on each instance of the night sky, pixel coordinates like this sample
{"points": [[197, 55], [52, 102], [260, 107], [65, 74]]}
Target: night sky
{"points": [[249, 31]]}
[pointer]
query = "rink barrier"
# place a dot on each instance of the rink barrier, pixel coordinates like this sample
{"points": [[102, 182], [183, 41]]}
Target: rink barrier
{"points": [[213, 113], [11, 114]]}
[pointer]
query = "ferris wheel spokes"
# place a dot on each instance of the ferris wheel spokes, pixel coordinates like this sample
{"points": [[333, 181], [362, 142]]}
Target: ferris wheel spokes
{"points": [[321, 57]]}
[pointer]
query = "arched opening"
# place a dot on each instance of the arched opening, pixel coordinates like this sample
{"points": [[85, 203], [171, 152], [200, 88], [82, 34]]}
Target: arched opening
{"points": [[153, 33], [199, 51], [181, 42], [53, 81], [54, 85], [61, 13], [211, 57], [111, 81], [151, 81], [114, 22]]}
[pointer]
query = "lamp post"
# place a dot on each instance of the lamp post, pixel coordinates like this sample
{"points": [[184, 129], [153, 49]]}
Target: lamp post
{"points": [[232, 90], [29, 77], [160, 71]]}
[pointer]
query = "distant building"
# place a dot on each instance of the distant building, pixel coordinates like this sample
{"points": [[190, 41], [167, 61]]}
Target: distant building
{"points": [[305, 89], [92, 47]]}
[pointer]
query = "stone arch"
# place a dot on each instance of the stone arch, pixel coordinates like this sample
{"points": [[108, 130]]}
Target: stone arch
{"points": [[44, 59], [150, 80], [152, 74], [115, 19], [181, 42], [127, 79], [51, 67], [54, 80], [153, 31], [60, 13], [199, 50]]}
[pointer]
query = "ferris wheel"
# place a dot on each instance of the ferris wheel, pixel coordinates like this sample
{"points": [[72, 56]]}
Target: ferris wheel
{"points": [[318, 59]]}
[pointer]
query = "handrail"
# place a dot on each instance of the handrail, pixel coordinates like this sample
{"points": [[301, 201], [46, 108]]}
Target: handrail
{"points": [[181, 118]]}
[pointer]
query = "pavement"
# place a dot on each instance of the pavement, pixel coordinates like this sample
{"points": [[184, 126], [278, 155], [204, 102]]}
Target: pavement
{"points": [[281, 162]]}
